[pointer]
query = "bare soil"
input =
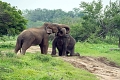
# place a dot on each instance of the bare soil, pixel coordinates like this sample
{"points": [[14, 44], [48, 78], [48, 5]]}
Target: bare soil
{"points": [[100, 66]]}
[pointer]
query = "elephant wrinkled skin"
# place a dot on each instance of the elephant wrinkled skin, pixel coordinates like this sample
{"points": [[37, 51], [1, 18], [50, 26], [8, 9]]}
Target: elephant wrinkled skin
{"points": [[65, 44], [35, 36]]}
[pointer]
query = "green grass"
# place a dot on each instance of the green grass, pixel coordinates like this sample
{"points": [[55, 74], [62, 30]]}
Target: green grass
{"points": [[97, 50], [44, 67], [39, 67]]}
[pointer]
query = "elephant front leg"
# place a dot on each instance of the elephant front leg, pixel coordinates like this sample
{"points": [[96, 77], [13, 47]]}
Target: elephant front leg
{"points": [[44, 49], [64, 48], [74, 54], [64, 52], [53, 50], [44, 45], [54, 47]]}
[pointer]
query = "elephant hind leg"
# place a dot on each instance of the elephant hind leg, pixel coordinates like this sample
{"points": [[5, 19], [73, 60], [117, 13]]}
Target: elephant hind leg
{"points": [[25, 46], [74, 54], [18, 46]]}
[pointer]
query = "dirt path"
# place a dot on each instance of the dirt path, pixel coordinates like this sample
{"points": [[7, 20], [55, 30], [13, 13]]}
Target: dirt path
{"points": [[101, 67]]}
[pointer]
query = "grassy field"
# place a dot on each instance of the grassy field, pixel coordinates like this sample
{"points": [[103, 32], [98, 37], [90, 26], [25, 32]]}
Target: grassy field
{"points": [[44, 67], [39, 67], [99, 50]]}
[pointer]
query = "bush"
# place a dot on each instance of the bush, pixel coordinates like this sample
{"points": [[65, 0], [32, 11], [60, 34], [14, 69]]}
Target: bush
{"points": [[42, 58]]}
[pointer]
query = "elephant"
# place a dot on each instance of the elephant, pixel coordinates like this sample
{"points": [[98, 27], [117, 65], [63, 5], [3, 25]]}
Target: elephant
{"points": [[37, 36], [60, 26], [65, 44]]}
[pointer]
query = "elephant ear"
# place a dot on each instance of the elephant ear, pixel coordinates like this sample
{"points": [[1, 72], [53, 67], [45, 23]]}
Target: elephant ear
{"points": [[46, 23], [48, 30], [67, 29]]}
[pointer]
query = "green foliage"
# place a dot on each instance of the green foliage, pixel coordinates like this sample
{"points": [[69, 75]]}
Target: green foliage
{"points": [[8, 45], [92, 13], [42, 58], [46, 15], [11, 20], [100, 24], [100, 49], [7, 42], [34, 24], [39, 16], [9, 54], [39, 67]]}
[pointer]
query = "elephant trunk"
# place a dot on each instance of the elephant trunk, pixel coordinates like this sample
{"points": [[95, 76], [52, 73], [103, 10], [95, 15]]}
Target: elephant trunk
{"points": [[66, 27], [62, 32]]}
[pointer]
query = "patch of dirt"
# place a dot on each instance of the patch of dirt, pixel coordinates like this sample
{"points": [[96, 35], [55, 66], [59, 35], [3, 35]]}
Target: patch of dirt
{"points": [[101, 66], [34, 49]]}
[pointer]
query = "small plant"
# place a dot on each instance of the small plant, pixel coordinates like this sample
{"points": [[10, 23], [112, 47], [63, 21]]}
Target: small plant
{"points": [[5, 69], [54, 63], [19, 63], [47, 78], [1, 54], [7, 45], [9, 54], [42, 58]]}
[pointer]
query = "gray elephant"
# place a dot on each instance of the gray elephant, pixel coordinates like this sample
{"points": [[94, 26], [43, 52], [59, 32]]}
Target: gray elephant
{"points": [[35, 36], [65, 44]]}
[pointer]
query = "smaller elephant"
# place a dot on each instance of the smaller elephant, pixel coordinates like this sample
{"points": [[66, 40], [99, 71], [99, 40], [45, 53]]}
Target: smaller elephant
{"points": [[65, 44]]}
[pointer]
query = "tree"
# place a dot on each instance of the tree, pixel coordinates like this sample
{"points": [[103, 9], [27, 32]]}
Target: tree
{"points": [[11, 20], [92, 13], [112, 19]]}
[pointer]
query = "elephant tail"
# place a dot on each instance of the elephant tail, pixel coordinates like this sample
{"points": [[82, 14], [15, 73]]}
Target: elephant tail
{"points": [[18, 45]]}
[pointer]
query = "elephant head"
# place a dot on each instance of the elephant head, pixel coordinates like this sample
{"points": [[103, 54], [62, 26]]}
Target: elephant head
{"points": [[54, 28], [61, 32], [51, 28], [48, 30], [64, 27]]}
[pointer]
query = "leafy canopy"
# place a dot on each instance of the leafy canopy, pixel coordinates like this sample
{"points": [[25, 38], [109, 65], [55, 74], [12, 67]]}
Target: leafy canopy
{"points": [[11, 20]]}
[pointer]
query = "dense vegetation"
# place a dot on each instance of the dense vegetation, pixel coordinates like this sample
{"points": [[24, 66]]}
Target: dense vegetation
{"points": [[11, 20]]}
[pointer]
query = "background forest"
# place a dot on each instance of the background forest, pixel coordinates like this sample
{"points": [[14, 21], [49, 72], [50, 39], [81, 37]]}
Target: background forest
{"points": [[90, 22]]}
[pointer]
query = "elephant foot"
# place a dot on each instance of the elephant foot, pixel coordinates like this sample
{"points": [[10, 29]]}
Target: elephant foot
{"points": [[75, 54]]}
